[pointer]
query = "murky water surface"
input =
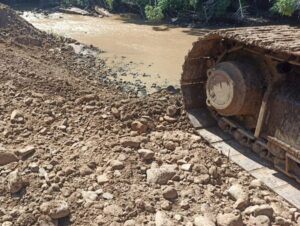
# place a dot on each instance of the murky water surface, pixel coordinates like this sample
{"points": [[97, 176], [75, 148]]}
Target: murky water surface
{"points": [[152, 54]]}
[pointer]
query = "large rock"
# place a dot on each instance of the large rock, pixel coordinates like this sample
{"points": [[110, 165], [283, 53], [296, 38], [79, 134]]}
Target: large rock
{"points": [[161, 219], [56, 209], [7, 157], [160, 175], [229, 219], [15, 181], [241, 197], [146, 154], [113, 210], [203, 221], [26, 152], [261, 220], [132, 142], [170, 193], [257, 210]]}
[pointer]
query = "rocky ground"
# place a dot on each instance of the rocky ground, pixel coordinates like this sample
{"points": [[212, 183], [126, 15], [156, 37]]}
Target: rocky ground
{"points": [[77, 150]]}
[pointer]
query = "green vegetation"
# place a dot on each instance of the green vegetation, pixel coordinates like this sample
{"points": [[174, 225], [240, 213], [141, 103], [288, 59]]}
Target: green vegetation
{"points": [[156, 10]]}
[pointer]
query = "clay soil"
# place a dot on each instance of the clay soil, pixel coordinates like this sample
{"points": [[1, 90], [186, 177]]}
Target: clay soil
{"points": [[77, 150]]}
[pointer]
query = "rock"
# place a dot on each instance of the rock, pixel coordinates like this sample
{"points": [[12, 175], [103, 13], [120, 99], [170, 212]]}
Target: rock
{"points": [[86, 98], [102, 179], [229, 219], [203, 221], [85, 170], [113, 210], [130, 223], [184, 204], [131, 142], [241, 197], [15, 181], [202, 179], [7, 157], [146, 154], [257, 210], [187, 167], [169, 119], [282, 222], [56, 209], [261, 220], [160, 175], [107, 196], [166, 205], [256, 183], [34, 167], [172, 110], [213, 171], [17, 116], [25, 152], [139, 126], [115, 112], [89, 196], [170, 193], [116, 165], [7, 223], [161, 219], [178, 217]]}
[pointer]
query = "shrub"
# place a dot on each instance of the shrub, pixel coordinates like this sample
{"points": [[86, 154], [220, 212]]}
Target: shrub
{"points": [[285, 7], [154, 13]]}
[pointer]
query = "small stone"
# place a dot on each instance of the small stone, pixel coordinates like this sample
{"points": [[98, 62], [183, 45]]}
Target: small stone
{"points": [[203, 221], [146, 154], [132, 142], [115, 112], [56, 209], [7, 157], [282, 222], [166, 205], [34, 167], [229, 219], [213, 171], [25, 152], [102, 179], [89, 196], [170, 193], [116, 165], [130, 223], [161, 219], [139, 127], [17, 116], [178, 217], [172, 110], [15, 181], [107, 196], [257, 210], [184, 204], [241, 197], [113, 210], [160, 175], [85, 170], [7, 223], [187, 167], [256, 183], [169, 119], [261, 220]]}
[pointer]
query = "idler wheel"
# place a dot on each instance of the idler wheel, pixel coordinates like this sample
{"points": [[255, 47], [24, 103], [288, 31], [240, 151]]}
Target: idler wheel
{"points": [[233, 88]]}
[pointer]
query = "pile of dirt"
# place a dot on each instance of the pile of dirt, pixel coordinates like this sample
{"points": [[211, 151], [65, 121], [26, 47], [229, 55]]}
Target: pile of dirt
{"points": [[75, 150]]}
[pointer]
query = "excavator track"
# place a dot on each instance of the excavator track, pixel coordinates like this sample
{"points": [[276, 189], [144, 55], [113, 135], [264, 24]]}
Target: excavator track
{"points": [[261, 134]]}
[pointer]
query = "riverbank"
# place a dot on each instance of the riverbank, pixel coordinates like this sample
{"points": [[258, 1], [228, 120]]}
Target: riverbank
{"points": [[148, 56]]}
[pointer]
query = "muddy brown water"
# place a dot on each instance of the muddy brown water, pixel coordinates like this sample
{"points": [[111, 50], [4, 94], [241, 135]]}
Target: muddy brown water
{"points": [[151, 54]]}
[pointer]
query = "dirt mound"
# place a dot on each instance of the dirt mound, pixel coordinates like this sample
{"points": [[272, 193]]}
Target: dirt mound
{"points": [[14, 29]]}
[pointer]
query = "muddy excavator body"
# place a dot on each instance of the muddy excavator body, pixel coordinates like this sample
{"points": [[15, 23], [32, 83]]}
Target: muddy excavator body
{"points": [[247, 81]]}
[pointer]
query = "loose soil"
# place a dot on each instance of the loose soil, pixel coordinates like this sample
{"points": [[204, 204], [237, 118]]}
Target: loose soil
{"points": [[76, 149]]}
